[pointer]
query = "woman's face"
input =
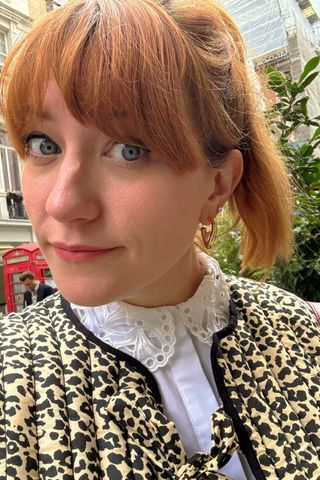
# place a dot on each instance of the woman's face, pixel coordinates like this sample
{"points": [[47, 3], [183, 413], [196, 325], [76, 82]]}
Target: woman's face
{"points": [[114, 221]]}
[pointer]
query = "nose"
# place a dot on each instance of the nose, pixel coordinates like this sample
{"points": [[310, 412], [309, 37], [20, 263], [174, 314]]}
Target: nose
{"points": [[73, 195]]}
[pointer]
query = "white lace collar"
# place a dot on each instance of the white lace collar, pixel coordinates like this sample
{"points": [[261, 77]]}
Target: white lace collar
{"points": [[148, 334]]}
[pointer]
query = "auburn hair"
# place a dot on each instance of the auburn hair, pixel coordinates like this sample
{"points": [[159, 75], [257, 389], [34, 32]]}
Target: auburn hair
{"points": [[177, 70]]}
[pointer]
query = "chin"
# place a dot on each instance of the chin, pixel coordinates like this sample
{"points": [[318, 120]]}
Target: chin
{"points": [[87, 294], [87, 300]]}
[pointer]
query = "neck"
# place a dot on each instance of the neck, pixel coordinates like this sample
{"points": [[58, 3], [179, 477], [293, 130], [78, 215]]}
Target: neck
{"points": [[175, 286]]}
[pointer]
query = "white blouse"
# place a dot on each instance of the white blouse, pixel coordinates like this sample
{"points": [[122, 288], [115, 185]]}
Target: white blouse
{"points": [[174, 343]]}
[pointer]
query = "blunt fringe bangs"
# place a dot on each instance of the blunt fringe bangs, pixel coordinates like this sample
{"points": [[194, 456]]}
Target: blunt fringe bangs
{"points": [[115, 62], [170, 74]]}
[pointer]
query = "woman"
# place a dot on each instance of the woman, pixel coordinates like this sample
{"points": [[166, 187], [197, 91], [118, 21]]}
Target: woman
{"points": [[137, 121]]}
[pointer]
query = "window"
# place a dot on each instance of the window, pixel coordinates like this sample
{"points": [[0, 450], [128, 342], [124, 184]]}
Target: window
{"points": [[10, 173], [3, 46], [54, 4]]}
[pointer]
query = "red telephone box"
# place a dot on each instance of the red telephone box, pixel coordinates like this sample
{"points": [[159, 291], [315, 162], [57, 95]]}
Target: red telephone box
{"points": [[16, 261]]}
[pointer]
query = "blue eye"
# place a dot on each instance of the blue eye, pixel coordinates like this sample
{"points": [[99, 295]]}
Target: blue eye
{"points": [[41, 145], [131, 153]]}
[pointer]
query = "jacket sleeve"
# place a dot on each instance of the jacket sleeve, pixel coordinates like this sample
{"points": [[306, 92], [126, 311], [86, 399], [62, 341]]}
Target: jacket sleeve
{"points": [[295, 315], [18, 431], [44, 292], [48, 290]]}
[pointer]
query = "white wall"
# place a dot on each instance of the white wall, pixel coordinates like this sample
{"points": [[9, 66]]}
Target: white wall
{"points": [[13, 22], [19, 231], [20, 5], [4, 214]]}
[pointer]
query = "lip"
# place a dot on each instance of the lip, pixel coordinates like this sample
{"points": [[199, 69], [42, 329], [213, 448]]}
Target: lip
{"points": [[80, 252]]}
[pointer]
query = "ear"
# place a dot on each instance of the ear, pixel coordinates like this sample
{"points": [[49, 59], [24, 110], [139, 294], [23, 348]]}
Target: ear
{"points": [[224, 181]]}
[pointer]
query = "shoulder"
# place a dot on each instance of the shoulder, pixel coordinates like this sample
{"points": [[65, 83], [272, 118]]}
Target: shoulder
{"points": [[18, 322], [248, 293], [267, 308]]}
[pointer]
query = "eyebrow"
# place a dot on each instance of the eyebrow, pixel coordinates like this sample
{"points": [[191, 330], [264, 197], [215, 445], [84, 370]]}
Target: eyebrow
{"points": [[46, 115]]}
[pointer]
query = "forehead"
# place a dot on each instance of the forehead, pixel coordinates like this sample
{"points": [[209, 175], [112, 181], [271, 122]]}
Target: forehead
{"points": [[55, 111], [52, 100]]}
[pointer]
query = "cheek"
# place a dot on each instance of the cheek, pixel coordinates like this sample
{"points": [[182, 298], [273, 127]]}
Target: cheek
{"points": [[34, 193], [152, 208], [28, 189]]}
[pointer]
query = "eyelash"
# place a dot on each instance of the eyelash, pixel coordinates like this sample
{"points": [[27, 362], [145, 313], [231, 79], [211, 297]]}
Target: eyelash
{"points": [[134, 163], [129, 164], [27, 147]]}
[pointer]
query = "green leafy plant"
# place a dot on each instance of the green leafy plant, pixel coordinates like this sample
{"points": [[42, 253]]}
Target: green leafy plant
{"points": [[289, 121], [287, 117]]}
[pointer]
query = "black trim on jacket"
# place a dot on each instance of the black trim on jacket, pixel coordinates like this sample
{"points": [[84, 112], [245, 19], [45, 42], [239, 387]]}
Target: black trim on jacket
{"points": [[243, 436], [138, 366]]}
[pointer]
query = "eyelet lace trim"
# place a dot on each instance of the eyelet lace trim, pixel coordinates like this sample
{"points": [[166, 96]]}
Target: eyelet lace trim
{"points": [[148, 338], [148, 334]]}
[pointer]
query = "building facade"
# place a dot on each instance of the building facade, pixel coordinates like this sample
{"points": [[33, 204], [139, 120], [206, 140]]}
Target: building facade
{"points": [[16, 17], [52, 4], [15, 228], [281, 33], [37, 8]]}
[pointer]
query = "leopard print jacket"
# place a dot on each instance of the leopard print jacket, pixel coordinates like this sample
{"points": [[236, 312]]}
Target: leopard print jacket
{"points": [[74, 408]]}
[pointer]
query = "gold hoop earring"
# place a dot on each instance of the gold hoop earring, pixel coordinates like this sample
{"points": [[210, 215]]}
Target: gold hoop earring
{"points": [[208, 233]]}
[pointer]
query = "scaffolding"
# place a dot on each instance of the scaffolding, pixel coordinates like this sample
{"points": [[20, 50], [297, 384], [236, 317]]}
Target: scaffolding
{"points": [[266, 25], [281, 33]]}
